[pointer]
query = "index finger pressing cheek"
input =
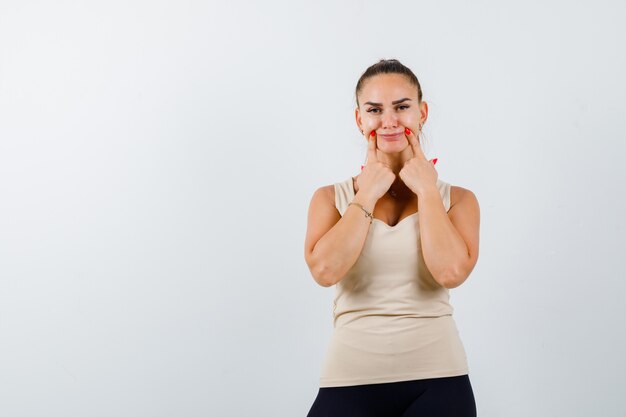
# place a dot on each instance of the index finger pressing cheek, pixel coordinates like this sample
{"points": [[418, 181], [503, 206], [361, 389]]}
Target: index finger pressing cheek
{"points": [[371, 148], [415, 145]]}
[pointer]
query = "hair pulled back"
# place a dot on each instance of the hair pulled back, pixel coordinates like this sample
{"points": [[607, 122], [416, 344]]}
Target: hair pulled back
{"points": [[388, 66]]}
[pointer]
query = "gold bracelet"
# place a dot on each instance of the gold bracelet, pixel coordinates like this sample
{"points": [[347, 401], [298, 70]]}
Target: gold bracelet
{"points": [[367, 213]]}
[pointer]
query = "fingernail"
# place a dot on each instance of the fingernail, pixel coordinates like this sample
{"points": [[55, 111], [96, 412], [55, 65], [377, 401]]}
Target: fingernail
{"points": [[372, 133], [407, 130], [362, 167], [434, 161]]}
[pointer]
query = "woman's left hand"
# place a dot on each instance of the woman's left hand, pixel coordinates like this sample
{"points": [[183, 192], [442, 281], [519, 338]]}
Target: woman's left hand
{"points": [[418, 173]]}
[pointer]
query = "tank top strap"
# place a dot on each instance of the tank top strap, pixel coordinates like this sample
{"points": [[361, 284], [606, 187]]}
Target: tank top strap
{"points": [[444, 190], [344, 193]]}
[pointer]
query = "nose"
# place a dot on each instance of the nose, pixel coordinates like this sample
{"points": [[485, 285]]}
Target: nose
{"points": [[389, 120]]}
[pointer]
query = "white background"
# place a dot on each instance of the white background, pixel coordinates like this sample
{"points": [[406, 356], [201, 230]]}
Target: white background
{"points": [[157, 159]]}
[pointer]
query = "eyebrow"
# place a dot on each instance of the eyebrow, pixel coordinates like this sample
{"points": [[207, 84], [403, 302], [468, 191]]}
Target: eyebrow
{"points": [[393, 102]]}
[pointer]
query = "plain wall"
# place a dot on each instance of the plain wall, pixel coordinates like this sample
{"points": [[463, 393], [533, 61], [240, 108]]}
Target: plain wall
{"points": [[157, 159]]}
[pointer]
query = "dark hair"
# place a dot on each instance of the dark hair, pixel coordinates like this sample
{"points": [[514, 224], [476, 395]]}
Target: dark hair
{"points": [[388, 66]]}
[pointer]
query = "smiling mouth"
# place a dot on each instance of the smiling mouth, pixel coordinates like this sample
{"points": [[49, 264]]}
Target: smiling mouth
{"points": [[392, 136]]}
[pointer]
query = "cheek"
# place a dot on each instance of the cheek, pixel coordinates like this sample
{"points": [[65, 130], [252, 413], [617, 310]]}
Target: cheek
{"points": [[411, 119], [369, 121]]}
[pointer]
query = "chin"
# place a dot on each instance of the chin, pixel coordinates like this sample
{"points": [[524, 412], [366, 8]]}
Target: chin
{"points": [[394, 147]]}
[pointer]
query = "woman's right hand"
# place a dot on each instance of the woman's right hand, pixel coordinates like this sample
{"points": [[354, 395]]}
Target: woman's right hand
{"points": [[376, 177]]}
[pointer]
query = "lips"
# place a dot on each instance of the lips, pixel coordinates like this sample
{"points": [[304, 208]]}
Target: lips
{"points": [[392, 136]]}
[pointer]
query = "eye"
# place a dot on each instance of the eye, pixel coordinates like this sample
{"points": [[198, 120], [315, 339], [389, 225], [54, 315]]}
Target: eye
{"points": [[403, 106], [373, 110]]}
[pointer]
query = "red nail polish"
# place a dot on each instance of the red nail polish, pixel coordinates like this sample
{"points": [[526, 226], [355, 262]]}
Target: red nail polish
{"points": [[362, 167], [434, 161], [407, 130], [372, 133]]}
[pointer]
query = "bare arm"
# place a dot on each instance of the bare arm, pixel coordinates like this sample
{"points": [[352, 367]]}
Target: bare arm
{"points": [[334, 243], [449, 240]]}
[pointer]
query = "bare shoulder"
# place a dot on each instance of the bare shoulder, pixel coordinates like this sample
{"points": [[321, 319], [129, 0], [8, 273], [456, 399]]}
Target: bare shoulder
{"points": [[326, 192], [460, 194], [322, 216], [323, 200], [464, 214]]}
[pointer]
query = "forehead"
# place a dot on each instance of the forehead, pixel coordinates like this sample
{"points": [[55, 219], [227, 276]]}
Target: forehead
{"points": [[384, 88]]}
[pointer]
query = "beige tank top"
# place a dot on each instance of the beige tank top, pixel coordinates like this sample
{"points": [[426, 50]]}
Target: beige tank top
{"points": [[391, 320]]}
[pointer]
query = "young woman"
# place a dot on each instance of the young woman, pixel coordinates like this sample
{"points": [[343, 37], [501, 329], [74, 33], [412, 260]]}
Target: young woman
{"points": [[393, 240]]}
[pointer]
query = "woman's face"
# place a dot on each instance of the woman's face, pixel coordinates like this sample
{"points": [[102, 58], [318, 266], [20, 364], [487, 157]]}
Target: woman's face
{"points": [[388, 104]]}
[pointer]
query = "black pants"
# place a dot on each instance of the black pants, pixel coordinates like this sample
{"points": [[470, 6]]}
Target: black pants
{"points": [[434, 397]]}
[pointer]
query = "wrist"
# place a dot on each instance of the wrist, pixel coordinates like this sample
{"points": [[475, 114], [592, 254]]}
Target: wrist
{"points": [[365, 201], [429, 192], [368, 214]]}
